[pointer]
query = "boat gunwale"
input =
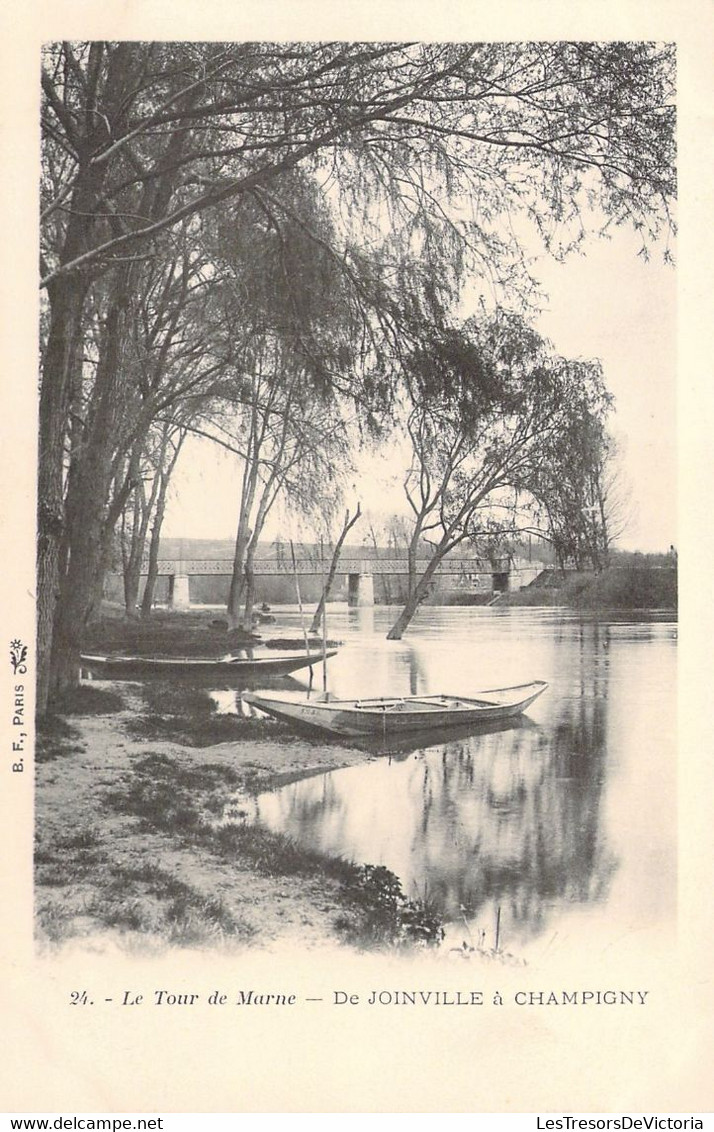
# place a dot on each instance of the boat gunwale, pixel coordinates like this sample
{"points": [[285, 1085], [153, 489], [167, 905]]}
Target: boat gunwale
{"points": [[399, 706], [119, 660]]}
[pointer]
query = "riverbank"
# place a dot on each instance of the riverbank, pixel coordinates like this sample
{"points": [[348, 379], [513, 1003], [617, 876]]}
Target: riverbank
{"points": [[141, 840], [190, 632], [633, 586]]}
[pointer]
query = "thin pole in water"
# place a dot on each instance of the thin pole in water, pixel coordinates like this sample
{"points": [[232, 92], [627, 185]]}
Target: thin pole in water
{"points": [[302, 616], [498, 926], [324, 619]]}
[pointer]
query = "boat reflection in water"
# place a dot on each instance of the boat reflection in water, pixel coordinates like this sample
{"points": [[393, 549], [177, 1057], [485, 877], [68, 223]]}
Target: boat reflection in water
{"points": [[561, 823], [498, 815]]}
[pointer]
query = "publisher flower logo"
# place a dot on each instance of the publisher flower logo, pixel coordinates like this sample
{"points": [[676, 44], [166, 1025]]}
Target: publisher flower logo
{"points": [[18, 654]]}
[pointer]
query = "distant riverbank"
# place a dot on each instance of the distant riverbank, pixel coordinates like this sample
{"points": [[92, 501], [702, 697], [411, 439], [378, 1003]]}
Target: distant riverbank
{"points": [[632, 586]]}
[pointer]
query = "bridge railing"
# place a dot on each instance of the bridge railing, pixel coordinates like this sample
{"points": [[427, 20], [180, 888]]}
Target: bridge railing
{"points": [[275, 566]]}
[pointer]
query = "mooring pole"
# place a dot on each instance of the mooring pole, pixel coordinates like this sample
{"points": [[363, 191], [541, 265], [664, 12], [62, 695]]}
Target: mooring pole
{"points": [[324, 620], [302, 617]]}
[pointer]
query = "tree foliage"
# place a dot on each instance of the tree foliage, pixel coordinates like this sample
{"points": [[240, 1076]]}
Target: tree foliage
{"points": [[426, 154], [158, 132], [490, 436]]}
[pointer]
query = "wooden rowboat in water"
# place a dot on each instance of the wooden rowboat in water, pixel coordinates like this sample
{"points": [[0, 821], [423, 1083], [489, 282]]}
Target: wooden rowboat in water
{"points": [[394, 715], [139, 667]]}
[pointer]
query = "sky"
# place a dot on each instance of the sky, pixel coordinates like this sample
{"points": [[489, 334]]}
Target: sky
{"points": [[606, 303], [612, 305]]}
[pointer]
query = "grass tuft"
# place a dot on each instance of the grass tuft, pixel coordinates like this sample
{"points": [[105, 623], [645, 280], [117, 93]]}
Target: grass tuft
{"points": [[203, 731], [68, 859], [382, 916], [150, 899], [162, 697], [274, 854], [86, 700], [53, 921], [163, 793], [56, 738], [187, 715]]}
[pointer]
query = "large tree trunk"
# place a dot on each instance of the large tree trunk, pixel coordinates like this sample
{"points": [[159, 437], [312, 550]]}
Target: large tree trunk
{"points": [[327, 588], [88, 493], [65, 600], [61, 359], [55, 666], [61, 364]]}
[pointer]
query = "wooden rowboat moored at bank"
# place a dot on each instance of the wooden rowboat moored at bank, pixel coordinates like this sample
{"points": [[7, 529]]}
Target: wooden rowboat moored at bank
{"points": [[395, 715], [139, 667]]}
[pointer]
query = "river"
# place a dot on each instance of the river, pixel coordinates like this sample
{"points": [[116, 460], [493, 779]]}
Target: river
{"points": [[560, 831]]}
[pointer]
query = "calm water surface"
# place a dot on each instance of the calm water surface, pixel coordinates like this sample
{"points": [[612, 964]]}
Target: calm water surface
{"points": [[562, 826]]}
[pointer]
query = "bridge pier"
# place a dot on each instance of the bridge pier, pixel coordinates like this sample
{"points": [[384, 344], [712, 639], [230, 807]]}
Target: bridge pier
{"points": [[179, 594], [360, 589], [500, 582]]}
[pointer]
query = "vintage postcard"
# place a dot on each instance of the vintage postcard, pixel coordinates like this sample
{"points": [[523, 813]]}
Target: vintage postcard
{"points": [[355, 466]]}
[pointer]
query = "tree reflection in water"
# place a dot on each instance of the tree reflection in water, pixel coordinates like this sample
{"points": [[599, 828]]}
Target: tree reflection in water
{"points": [[511, 819]]}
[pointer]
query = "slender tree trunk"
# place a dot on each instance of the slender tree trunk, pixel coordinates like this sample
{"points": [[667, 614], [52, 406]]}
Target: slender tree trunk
{"points": [[417, 593], [249, 574], [142, 517], [327, 588], [412, 552], [124, 542], [236, 596], [147, 599], [266, 502], [106, 554], [132, 566], [164, 473], [602, 533], [106, 550]]}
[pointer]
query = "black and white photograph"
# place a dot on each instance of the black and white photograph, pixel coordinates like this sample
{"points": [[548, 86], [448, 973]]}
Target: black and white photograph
{"points": [[348, 712]]}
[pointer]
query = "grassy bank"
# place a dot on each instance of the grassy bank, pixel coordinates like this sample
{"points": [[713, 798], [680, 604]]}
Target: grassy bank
{"points": [[142, 837], [170, 633], [632, 586]]}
